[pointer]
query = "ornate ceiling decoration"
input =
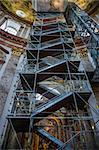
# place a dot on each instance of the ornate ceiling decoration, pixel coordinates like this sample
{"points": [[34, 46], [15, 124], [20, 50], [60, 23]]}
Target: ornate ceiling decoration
{"points": [[22, 8]]}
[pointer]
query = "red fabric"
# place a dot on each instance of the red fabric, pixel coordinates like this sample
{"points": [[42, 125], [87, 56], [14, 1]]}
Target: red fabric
{"points": [[2, 61], [4, 50]]}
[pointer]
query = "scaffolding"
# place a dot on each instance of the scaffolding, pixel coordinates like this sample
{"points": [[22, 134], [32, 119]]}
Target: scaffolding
{"points": [[88, 29], [51, 108]]}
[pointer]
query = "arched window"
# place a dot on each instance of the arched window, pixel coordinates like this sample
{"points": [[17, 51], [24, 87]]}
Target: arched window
{"points": [[10, 26]]}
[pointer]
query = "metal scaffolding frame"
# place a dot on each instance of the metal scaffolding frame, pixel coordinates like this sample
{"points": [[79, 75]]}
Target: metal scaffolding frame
{"points": [[50, 82], [88, 29]]}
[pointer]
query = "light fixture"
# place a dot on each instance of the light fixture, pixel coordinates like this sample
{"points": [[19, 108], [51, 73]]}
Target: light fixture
{"points": [[81, 87], [93, 127], [18, 104]]}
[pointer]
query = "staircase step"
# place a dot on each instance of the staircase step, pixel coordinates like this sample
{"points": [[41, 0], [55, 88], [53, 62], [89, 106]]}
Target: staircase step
{"points": [[45, 134], [51, 106]]}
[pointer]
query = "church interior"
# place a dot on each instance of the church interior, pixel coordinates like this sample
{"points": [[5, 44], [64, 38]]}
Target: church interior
{"points": [[49, 75]]}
